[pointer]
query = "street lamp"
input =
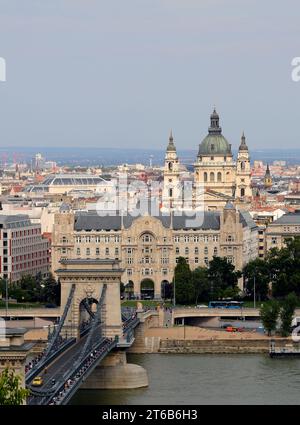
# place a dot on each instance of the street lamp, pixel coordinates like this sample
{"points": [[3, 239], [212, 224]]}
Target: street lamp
{"points": [[6, 296], [254, 295], [174, 292]]}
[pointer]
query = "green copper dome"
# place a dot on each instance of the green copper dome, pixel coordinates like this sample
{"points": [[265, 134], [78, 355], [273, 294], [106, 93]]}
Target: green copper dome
{"points": [[214, 143]]}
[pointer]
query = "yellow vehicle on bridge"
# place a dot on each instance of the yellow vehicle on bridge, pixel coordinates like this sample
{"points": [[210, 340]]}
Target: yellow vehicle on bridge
{"points": [[37, 381]]}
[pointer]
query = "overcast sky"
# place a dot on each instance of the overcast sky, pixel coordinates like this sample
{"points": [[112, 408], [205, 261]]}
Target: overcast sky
{"points": [[123, 72]]}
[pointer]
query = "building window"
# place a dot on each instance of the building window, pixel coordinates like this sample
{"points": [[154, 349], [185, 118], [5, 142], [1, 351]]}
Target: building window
{"points": [[196, 250], [116, 251], [129, 272], [97, 251], [196, 260], [242, 192], [212, 177], [177, 238], [206, 250], [88, 251], [177, 250], [206, 261], [186, 251], [78, 251], [106, 251], [205, 176], [219, 176], [215, 251], [147, 238]]}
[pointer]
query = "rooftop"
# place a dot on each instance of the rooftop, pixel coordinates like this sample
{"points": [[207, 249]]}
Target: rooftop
{"points": [[290, 218]]}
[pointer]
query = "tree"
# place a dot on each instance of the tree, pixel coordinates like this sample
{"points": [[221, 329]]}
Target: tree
{"points": [[183, 282], [269, 313], [201, 284], [284, 268], [257, 269], [222, 277], [11, 390], [50, 290], [287, 313]]}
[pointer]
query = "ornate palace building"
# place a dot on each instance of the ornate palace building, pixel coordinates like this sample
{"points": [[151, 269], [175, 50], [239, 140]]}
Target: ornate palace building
{"points": [[217, 177], [148, 247]]}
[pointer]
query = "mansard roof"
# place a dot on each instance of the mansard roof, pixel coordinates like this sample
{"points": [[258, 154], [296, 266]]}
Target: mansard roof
{"points": [[205, 220]]}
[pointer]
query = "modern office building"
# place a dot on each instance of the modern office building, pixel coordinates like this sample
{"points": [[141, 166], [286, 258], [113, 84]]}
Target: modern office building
{"points": [[23, 250]]}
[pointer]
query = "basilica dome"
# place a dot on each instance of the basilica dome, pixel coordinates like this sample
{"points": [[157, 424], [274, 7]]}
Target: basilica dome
{"points": [[214, 143]]}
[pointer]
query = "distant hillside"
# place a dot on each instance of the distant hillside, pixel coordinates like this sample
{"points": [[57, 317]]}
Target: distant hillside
{"points": [[112, 156]]}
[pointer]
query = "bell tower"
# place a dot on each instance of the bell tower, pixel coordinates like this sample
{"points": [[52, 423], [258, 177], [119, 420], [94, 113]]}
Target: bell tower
{"points": [[268, 181], [243, 172], [171, 193]]}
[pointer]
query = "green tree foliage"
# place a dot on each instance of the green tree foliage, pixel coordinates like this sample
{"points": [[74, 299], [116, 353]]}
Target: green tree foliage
{"points": [[11, 390], [287, 313], [50, 290], [183, 282], [223, 278], [201, 284], [35, 289], [257, 269], [284, 268], [269, 313]]}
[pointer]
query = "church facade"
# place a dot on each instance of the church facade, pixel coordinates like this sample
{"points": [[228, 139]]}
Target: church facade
{"points": [[218, 178]]}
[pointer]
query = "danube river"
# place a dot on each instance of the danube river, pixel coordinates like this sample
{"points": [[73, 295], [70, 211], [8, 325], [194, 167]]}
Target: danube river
{"points": [[207, 379]]}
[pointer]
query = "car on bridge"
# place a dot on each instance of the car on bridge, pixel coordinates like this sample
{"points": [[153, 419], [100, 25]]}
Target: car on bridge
{"points": [[37, 381]]}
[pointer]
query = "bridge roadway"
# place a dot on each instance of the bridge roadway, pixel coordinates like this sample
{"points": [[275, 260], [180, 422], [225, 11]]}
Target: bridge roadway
{"points": [[178, 313], [68, 372], [31, 312]]}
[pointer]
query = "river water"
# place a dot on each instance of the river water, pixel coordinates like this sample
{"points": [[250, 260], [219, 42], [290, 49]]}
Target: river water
{"points": [[207, 379]]}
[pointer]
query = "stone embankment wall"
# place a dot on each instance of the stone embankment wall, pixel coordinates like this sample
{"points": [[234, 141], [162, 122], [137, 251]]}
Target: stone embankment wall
{"points": [[154, 339]]}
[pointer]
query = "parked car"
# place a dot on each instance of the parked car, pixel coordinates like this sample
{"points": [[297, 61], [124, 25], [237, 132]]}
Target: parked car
{"points": [[231, 329]]}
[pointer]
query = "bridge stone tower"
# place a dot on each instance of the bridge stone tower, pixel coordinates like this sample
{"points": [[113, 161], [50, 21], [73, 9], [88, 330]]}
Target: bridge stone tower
{"points": [[88, 278]]}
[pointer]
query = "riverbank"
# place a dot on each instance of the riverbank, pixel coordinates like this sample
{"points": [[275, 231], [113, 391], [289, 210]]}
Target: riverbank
{"points": [[192, 339]]}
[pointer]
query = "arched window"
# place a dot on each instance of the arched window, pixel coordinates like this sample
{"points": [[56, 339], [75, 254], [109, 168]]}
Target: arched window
{"points": [[186, 251], [196, 250], [206, 250], [170, 166], [177, 250], [212, 177], [215, 251], [205, 176], [242, 165], [219, 176], [170, 193], [88, 251], [147, 238], [242, 192]]}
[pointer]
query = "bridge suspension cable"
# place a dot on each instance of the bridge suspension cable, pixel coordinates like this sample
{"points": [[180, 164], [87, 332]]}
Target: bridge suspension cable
{"points": [[61, 323], [96, 320]]}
